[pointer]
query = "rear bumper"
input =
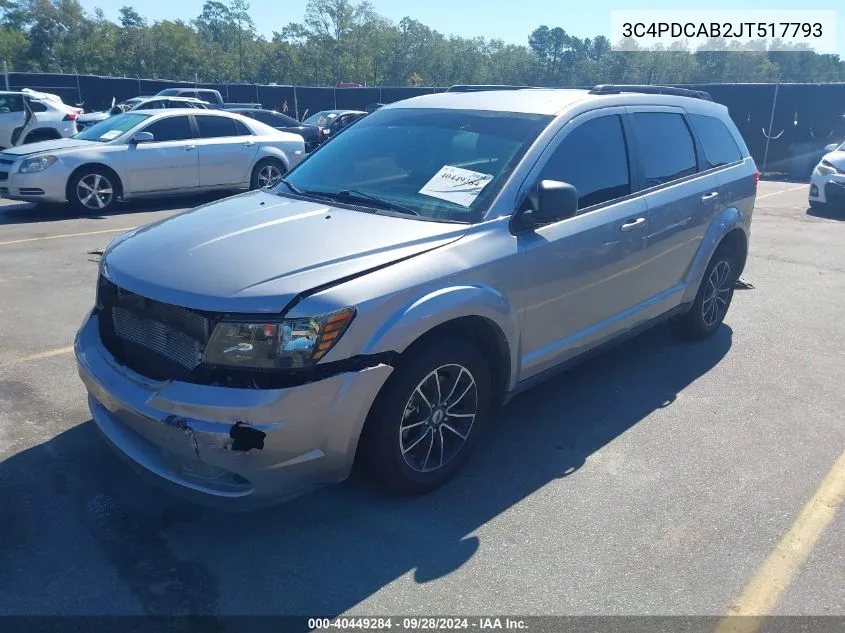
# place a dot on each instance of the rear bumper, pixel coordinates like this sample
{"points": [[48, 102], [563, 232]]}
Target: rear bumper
{"points": [[182, 433]]}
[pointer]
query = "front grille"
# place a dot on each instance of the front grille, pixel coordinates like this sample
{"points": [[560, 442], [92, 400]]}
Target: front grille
{"points": [[6, 161], [4, 191], [31, 191], [158, 337], [155, 339], [4, 175]]}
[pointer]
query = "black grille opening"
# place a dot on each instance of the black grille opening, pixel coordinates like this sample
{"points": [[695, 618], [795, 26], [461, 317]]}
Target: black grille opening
{"points": [[154, 339]]}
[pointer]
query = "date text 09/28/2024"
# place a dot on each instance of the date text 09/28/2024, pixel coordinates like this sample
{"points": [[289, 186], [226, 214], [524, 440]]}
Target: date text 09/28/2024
{"points": [[416, 623]]}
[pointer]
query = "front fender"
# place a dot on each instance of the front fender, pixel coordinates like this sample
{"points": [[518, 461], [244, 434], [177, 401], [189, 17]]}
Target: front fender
{"points": [[729, 219], [425, 312]]}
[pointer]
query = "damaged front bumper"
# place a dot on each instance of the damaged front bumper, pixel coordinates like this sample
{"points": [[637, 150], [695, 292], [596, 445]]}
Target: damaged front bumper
{"points": [[238, 448]]}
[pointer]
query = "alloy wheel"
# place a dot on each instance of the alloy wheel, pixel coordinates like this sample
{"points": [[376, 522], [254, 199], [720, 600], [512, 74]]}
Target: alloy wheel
{"points": [[717, 294], [438, 418], [94, 191], [268, 176]]}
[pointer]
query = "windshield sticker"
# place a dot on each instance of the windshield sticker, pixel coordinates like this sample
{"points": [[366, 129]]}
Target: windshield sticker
{"points": [[110, 135], [453, 184]]}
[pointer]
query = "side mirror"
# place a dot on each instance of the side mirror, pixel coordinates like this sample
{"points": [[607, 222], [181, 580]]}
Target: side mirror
{"points": [[831, 148], [142, 137], [550, 201]]}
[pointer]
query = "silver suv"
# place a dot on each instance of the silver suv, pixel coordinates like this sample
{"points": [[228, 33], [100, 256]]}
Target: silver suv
{"points": [[439, 256]]}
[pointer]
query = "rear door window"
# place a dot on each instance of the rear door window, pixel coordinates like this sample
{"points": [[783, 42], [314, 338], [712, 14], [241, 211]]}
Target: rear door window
{"points": [[717, 143], [665, 149], [216, 126], [593, 158]]}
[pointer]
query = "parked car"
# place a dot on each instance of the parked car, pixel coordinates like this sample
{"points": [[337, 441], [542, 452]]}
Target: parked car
{"points": [[29, 116], [438, 257], [212, 97], [827, 184], [140, 103], [332, 121], [146, 153], [312, 134]]}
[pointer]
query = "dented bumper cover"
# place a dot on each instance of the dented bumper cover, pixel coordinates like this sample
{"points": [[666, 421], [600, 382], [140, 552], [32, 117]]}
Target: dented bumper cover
{"points": [[237, 448]]}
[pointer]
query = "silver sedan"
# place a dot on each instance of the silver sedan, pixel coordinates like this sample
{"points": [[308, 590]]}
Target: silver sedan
{"points": [[149, 153]]}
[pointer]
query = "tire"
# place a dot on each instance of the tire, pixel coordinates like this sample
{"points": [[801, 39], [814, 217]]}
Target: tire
{"points": [[40, 135], [267, 168], [81, 187], [708, 310], [403, 461]]}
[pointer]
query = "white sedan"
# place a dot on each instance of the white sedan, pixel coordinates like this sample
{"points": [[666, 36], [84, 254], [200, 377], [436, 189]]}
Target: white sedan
{"points": [[827, 184], [149, 153]]}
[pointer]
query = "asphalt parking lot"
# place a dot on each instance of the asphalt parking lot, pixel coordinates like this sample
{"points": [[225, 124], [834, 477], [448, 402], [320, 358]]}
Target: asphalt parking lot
{"points": [[655, 479]]}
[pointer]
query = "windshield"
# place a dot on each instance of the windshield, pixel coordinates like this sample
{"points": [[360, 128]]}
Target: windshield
{"points": [[441, 164], [111, 128], [321, 119]]}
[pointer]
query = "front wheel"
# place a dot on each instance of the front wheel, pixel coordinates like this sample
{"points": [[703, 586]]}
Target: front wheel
{"points": [[93, 191], [428, 417], [267, 173], [713, 298]]}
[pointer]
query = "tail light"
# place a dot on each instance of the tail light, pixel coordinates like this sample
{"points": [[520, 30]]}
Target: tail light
{"points": [[756, 177], [70, 116]]}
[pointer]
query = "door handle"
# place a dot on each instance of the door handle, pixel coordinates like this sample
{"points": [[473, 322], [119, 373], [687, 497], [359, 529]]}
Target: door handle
{"points": [[249, 143], [630, 225], [188, 148], [710, 196]]}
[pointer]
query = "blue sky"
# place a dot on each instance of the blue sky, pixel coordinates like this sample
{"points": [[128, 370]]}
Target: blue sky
{"points": [[510, 20]]}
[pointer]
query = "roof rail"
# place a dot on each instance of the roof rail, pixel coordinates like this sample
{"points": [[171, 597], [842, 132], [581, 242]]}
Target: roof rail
{"points": [[612, 89], [480, 88]]}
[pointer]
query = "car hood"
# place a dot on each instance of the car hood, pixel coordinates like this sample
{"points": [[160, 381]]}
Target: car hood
{"points": [[54, 146], [257, 251], [837, 159]]}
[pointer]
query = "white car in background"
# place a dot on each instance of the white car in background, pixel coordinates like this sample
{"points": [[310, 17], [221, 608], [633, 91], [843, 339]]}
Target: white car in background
{"points": [[827, 184], [150, 153], [29, 116], [140, 103]]}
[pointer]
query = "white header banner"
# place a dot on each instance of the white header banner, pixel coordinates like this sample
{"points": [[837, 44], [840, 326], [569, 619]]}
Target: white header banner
{"points": [[720, 30]]}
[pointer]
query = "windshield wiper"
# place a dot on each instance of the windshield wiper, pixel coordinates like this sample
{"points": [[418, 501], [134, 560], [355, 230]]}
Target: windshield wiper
{"points": [[353, 194]]}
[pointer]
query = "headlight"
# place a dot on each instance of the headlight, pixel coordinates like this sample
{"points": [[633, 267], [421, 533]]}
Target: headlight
{"points": [[39, 163], [288, 344], [824, 168]]}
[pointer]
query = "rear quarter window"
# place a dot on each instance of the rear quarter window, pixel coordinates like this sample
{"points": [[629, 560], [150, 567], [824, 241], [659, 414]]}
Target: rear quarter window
{"points": [[717, 143]]}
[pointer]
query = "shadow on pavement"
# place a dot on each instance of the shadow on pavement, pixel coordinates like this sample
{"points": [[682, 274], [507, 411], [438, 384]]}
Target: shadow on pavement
{"points": [[828, 212], [324, 553], [27, 213]]}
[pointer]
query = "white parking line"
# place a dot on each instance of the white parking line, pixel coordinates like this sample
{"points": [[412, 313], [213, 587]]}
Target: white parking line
{"points": [[774, 193], [56, 237]]}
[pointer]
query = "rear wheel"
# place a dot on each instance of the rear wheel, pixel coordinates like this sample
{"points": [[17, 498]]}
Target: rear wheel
{"points": [[93, 190], [713, 298], [267, 173], [40, 135], [428, 417]]}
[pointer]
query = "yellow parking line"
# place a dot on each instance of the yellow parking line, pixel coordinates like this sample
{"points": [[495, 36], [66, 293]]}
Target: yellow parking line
{"points": [[774, 193], [55, 237], [48, 354], [788, 556]]}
